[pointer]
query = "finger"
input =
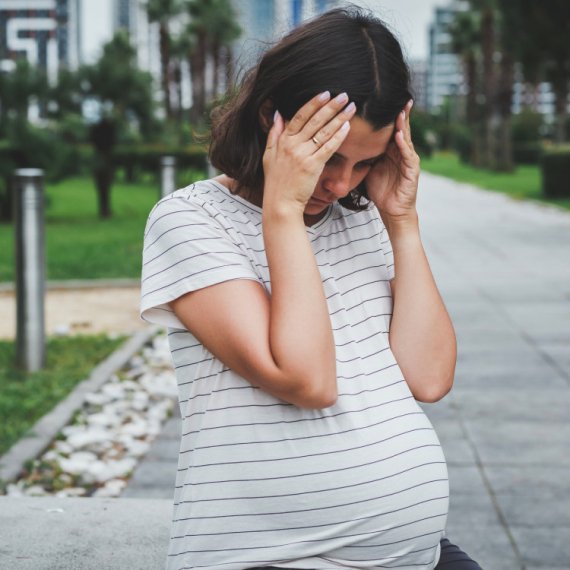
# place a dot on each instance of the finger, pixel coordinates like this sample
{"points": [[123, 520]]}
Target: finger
{"points": [[301, 117], [326, 121], [327, 132], [275, 131], [408, 153], [332, 145], [407, 129]]}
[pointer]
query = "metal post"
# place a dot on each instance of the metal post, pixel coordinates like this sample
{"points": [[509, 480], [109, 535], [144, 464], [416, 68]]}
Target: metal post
{"points": [[30, 269], [168, 175], [211, 170]]}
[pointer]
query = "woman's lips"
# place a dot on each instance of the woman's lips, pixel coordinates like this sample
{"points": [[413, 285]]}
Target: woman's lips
{"points": [[320, 201]]}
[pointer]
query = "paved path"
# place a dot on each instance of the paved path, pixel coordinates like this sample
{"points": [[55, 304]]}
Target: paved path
{"points": [[80, 310], [503, 269]]}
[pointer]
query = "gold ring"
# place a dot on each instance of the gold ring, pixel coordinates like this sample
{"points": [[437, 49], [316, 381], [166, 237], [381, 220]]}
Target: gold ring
{"points": [[317, 142]]}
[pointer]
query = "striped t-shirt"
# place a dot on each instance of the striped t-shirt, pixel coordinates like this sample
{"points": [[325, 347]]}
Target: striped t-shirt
{"points": [[260, 481]]}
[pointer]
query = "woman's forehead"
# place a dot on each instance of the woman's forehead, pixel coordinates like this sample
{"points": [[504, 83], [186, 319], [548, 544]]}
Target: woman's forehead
{"points": [[363, 142]]}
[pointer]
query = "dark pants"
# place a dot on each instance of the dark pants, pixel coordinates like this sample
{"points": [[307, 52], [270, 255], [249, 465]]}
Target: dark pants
{"points": [[452, 558]]}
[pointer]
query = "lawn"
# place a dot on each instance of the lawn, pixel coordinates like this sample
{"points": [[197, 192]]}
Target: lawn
{"points": [[525, 182], [81, 246], [26, 397]]}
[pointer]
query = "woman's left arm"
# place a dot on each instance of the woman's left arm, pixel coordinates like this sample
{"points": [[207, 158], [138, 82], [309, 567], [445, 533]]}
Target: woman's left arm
{"points": [[422, 337]]}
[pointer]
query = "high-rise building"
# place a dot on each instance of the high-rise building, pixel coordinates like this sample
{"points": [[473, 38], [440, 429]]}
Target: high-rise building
{"points": [[267, 20], [444, 75], [43, 31]]}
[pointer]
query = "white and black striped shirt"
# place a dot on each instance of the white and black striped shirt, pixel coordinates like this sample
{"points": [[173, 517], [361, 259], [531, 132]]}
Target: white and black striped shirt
{"points": [[262, 482]]}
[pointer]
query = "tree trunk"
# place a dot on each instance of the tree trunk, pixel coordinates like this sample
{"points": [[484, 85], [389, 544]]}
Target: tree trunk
{"points": [[165, 64], [470, 64], [178, 83], [198, 69], [230, 66], [560, 88], [216, 58], [487, 27], [104, 174], [505, 100]]}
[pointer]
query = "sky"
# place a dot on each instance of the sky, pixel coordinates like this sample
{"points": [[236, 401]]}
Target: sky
{"points": [[409, 18]]}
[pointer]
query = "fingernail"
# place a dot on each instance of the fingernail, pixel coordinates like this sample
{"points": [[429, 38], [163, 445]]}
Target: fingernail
{"points": [[341, 98], [275, 116], [345, 126], [324, 96], [349, 108], [404, 111]]}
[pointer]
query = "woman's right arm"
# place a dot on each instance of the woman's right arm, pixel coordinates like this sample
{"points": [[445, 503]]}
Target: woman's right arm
{"points": [[281, 343]]}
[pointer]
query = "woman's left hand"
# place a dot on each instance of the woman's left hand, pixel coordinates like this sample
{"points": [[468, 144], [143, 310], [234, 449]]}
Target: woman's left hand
{"points": [[392, 183]]}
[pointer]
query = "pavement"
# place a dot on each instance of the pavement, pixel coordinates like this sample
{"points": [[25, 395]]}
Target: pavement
{"points": [[84, 308], [503, 269]]}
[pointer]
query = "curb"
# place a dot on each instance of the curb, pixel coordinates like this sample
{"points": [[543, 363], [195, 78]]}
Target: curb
{"points": [[41, 434], [80, 284]]}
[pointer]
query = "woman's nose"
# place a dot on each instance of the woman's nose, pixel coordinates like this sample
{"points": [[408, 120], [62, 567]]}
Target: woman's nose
{"points": [[338, 182]]}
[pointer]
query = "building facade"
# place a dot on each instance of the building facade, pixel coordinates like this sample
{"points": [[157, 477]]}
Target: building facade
{"points": [[444, 74], [44, 31]]}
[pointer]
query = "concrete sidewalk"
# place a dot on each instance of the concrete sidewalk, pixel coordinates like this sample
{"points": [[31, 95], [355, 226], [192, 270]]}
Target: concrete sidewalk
{"points": [[503, 269]]}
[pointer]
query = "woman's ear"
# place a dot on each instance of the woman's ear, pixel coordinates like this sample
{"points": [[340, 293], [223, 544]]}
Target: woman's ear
{"points": [[266, 112]]}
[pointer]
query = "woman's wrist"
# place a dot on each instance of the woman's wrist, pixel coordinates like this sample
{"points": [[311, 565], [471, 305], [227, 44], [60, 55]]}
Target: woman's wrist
{"points": [[402, 230]]}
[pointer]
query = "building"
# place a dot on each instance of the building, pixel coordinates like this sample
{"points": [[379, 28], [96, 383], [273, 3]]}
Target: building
{"points": [[43, 31], [419, 69], [444, 74], [266, 20]]}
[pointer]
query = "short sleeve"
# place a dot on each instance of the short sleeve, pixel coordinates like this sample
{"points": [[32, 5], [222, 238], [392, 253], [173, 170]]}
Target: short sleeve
{"points": [[388, 253], [187, 246]]}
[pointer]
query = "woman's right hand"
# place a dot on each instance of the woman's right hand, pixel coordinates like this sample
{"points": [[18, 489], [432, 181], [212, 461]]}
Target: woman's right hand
{"points": [[292, 162]]}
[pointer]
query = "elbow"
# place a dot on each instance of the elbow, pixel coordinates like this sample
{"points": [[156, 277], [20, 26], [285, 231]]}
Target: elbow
{"points": [[435, 391], [316, 399]]}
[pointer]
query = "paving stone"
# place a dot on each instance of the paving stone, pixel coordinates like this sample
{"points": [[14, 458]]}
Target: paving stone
{"points": [[133, 492], [154, 474], [536, 509], [525, 480], [474, 510], [465, 480], [488, 545], [172, 428], [517, 442], [541, 547], [164, 449], [522, 404]]}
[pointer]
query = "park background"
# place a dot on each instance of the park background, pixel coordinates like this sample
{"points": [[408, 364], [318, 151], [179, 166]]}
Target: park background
{"points": [[98, 111]]}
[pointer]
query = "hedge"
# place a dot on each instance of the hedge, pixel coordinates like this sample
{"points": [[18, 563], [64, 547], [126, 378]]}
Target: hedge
{"points": [[555, 166]]}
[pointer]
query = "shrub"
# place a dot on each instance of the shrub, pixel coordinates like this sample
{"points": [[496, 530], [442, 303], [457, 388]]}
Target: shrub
{"points": [[525, 127], [527, 152], [555, 165]]}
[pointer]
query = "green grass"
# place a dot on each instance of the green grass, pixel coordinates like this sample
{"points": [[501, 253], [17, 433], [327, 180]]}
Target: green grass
{"points": [[26, 397], [81, 246], [524, 183]]}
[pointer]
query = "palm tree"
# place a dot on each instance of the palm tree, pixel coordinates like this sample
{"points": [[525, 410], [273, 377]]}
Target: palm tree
{"points": [[121, 90], [213, 25], [224, 30], [162, 11], [487, 11], [465, 39]]}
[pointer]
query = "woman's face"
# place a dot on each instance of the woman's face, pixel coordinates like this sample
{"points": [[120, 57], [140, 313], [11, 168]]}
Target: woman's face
{"points": [[350, 164]]}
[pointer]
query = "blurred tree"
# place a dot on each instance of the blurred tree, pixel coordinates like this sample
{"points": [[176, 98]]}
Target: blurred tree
{"points": [[18, 89], [488, 14], [465, 31], [123, 93], [213, 25], [162, 11]]}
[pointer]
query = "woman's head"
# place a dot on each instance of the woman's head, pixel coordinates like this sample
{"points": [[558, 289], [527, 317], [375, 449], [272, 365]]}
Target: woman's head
{"points": [[343, 50]]}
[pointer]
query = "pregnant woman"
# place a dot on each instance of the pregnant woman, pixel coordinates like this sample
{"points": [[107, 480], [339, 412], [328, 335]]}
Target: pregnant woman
{"points": [[304, 321]]}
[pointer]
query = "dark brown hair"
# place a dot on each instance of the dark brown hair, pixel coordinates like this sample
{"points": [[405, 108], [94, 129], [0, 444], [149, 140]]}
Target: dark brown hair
{"points": [[345, 49]]}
